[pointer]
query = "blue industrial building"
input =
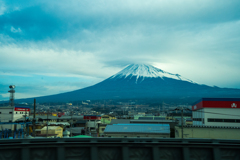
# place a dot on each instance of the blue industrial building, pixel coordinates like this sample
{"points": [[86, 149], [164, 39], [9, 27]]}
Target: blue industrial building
{"points": [[138, 130]]}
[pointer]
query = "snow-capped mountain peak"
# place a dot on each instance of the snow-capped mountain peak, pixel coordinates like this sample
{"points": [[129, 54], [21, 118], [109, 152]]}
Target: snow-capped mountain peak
{"points": [[146, 71]]}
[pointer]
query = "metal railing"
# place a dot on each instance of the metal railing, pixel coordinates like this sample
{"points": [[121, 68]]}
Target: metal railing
{"points": [[118, 149]]}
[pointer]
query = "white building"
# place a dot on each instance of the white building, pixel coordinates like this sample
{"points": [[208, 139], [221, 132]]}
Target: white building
{"points": [[11, 114], [217, 112], [92, 122]]}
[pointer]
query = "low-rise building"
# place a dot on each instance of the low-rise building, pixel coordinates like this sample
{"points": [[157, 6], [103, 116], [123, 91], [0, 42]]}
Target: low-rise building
{"points": [[107, 119], [52, 130], [80, 123], [138, 130], [11, 114], [101, 129], [171, 123], [92, 123]]}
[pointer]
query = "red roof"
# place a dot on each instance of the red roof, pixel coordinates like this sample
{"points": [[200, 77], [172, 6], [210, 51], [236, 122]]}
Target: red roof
{"points": [[217, 103]]}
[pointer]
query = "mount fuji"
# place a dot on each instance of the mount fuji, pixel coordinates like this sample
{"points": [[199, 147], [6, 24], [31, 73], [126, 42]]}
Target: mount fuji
{"points": [[140, 81]]}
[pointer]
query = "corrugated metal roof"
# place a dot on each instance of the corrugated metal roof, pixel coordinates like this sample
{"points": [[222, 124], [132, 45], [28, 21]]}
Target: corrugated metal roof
{"points": [[59, 123], [118, 121], [143, 124], [151, 121], [138, 128], [145, 118], [50, 127]]}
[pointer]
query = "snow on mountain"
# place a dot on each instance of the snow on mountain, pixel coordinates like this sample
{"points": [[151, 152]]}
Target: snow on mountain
{"points": [[146, 71]]}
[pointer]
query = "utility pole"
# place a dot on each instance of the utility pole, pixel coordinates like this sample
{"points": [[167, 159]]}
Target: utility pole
{"points": [[26, 121], [177, 109], [182, 122], [34, 117], [71, 123], [47, 122]]}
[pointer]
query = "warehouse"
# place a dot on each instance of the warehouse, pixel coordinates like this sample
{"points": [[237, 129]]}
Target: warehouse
{"points": [[138, 130], [217, 112], [11, 114]]}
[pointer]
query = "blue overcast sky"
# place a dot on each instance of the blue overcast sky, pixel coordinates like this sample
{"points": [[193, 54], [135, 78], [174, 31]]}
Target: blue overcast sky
{"points": [[49, 47]]}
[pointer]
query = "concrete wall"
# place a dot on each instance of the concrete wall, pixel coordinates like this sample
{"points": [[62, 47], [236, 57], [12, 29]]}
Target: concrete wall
{"points": [[216, 113], [6, 117], [119, 149], [19, 114], [210, 133]]}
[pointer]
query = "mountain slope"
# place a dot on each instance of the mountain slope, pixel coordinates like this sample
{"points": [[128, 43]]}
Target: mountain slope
{"points": [[141, 81]]}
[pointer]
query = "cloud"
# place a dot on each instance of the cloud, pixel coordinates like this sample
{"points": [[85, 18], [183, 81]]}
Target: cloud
{"points": [[2, 7], [45, 61], [15, 30]]}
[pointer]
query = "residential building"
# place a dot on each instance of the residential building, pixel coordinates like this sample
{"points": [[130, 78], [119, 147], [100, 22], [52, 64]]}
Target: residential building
{"points": [[101, 129], [92, 123], [107, 119]]}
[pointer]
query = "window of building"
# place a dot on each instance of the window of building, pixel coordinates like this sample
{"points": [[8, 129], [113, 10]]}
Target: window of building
{"points": [[210, 120], [218, 120], [224, 120], [229, 120], [16, 112], [198, 119], [103, 129], [0, 112], [10, 112]]}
